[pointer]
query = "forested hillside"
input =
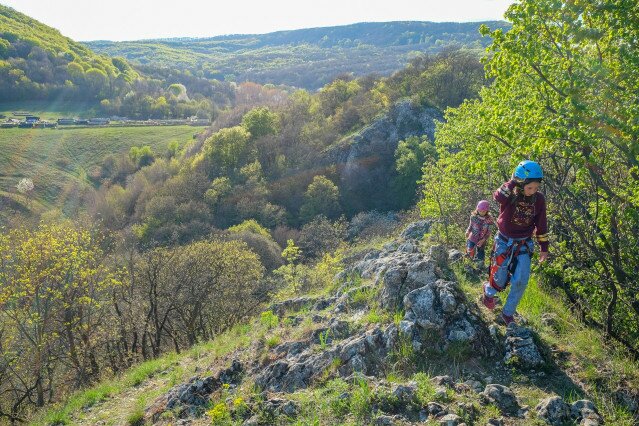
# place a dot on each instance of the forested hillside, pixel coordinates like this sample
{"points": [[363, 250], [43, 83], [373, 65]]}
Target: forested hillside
{"points": [[308, 58], [39, 63], [300, 260]]}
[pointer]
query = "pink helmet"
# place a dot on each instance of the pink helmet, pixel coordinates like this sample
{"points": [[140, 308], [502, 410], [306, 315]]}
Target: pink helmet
{"points": [[483, 205]]}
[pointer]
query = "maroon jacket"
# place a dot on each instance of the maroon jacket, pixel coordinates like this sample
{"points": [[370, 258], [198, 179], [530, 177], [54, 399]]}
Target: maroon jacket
{"points": [[520, 216]]}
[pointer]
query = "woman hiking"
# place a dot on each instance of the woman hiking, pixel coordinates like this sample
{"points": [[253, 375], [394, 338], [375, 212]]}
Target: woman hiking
{"points": [[522, 215]]}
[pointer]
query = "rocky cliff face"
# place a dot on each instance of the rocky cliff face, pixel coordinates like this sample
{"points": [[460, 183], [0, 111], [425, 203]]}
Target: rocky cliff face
{"points": [[433, 318], [365, 160]]}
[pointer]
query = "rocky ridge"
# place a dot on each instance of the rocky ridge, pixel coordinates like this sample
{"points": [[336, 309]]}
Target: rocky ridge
{"points": [[434, 316]]}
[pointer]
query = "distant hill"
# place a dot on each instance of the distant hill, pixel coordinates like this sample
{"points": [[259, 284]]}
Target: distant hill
{"points": [[307, 58], [37, 62]]}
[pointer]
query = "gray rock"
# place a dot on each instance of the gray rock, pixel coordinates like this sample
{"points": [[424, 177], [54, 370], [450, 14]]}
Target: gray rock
{"points": [[441, 393], [553, 411], [584, 411], [253, 421], [190, 399], [502, 397], [495, 422], [454, 255], [443, 381], [521, 349], [363, 353], [627, 398], [550, 319], [474, 385], [408, 247], [415, 230], [290, 409], [384, 421], [435, 408], [359, 175], [439, 254], [440, 316], [450, 420], [405, 394]]}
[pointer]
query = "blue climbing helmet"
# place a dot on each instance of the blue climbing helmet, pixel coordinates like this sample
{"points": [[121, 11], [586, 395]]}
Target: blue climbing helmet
{"points": [[528, 170]]}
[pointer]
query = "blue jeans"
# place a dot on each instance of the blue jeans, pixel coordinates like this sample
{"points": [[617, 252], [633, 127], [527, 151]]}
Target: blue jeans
{"points": [[480, 252], [517, 266]]}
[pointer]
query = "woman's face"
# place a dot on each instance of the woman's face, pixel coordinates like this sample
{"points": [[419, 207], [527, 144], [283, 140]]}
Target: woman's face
{"points": [[531, 188]]}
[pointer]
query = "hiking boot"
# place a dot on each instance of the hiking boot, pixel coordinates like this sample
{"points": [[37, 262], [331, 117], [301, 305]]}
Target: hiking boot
{"points": [[508, 319], [488, 301]]}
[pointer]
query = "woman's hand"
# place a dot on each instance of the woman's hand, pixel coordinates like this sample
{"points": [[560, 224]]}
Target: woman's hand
{"points": [[543, 255]]}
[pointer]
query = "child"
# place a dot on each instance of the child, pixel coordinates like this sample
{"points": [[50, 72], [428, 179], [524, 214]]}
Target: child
{"points": [[478, 231], [522, 213]]}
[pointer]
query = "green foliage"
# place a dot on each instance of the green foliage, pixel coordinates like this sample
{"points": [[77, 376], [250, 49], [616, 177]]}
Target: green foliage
{"points": [[260, 122], [425, 388], [136, 418], [324, 338], [321, 198], [291, 253], [141, 156], [269, 319], [410, 156], [42, 61], [220, 414], [55, 288], [561, 95], [321, 236], [362, 400], [250, 225], [308, 58], [228, 150]]}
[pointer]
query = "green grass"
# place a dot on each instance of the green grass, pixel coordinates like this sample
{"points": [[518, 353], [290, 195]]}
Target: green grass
{"points": [[145, 381], [58, 161], [589, 360], [48, 110]]}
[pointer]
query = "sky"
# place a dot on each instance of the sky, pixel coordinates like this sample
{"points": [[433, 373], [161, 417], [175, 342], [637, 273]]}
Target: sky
{"points": [[118, 20]]}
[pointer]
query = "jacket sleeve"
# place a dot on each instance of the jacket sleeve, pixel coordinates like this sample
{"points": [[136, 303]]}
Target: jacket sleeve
{"points": [[470, 225], [502, 195], [541, 225]]}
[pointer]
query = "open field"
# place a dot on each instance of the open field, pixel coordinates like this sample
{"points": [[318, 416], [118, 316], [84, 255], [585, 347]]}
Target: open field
{"points": [[58, 160], [48, 110]]}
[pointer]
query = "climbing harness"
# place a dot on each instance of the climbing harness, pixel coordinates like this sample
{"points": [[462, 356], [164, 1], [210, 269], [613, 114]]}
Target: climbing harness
{"points": [[502, 266]]}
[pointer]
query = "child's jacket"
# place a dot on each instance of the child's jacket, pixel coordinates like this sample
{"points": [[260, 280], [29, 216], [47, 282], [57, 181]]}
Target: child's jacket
{"points": [[479, 227], [521, 216]]}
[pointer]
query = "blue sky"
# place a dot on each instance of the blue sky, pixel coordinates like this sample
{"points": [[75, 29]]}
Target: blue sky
{"points": [[138, 19]]}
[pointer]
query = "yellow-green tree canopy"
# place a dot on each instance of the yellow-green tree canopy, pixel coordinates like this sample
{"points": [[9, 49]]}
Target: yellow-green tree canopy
{"points": [[564, 93]]}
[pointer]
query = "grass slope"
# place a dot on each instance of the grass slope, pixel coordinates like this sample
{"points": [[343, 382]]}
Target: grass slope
{"points": [[58, 160], [49, 110], [583, 366]]}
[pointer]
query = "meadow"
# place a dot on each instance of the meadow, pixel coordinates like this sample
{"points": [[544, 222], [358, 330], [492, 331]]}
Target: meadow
{"points": [[50, 110], [59, 160]]}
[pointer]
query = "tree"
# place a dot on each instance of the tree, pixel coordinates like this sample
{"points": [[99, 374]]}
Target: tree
{"points": [[321, 198], [196, 291], [55, 291], [142, 156], [564, 93], [228, 150], [410, 156], [260, 122]]}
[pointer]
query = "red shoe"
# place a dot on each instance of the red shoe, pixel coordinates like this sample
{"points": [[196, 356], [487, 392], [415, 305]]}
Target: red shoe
{"points": [[508, 319], [488, 301]]}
